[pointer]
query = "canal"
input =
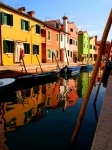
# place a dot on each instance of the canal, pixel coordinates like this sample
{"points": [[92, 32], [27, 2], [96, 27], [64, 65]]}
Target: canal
{"points": [[45, 116]]}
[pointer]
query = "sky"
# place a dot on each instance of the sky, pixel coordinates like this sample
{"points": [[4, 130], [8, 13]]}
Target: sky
{"points": [[87, 15]]}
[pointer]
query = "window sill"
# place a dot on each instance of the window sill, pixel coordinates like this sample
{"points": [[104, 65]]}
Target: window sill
{"points": [[9, 26], [25, 30], [9, 54]]}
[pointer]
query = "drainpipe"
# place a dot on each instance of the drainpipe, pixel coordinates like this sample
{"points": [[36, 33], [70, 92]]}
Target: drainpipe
{"points": [[0, 40]]}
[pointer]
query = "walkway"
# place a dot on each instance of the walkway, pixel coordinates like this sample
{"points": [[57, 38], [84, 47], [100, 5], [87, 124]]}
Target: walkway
{"points": [[103, 135]]}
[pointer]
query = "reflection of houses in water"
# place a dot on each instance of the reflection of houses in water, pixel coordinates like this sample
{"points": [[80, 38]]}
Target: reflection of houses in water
{"points": [[68, 92], [2, 131], [83, 83], [33, 104], [52, 94], [24, 108]]}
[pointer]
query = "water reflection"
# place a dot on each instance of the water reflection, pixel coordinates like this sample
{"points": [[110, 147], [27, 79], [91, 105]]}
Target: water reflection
{"points": [[33, 104]]}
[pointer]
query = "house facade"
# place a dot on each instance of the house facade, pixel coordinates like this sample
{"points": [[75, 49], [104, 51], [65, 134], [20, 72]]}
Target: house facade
{"points": [[73, 41], [106, 50], [51, 53], [83, 45], [93, 48], [20, 29]]}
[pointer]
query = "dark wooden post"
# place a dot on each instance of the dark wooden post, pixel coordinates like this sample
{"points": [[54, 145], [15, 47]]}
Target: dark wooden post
{"points": [[96, 67]]}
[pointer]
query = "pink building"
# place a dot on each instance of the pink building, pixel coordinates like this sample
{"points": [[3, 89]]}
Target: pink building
{"points": [[73, 41]]}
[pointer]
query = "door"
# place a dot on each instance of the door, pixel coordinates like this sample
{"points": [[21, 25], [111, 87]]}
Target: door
{"points": [[18, 45]]}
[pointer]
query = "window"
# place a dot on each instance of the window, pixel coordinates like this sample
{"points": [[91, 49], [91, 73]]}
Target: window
{"points": [[94, 48], [49, 35], [70, 41], [90, 46], [76, 43], [8, 46], [68, 52], [61, 37], [38, 29], [57, 25], [71, 29], [56, 53], [48, 53], [25, 25], [84, 45], [35, 49], [7, 19], [26, 48], [71, 54], [57, 37]]}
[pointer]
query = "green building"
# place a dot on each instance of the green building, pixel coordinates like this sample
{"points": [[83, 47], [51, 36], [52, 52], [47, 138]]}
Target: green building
{"points": [[83, 45]]}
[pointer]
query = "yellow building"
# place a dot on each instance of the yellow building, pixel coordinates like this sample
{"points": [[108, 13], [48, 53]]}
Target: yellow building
{"points": [[20, 30], [93, 48]]}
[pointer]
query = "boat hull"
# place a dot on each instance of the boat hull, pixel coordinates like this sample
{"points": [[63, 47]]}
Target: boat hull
{"points": [[86, 66], [38, 78], [70, 70]]}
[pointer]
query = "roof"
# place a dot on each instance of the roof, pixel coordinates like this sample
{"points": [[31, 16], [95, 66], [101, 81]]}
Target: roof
{"points": [[2, 5], [91, 37], [81, 32]]}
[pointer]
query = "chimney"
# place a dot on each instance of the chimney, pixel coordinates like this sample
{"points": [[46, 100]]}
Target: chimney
{"points": [[21, 9], [95, 39], [31, 13], [65, 23]]}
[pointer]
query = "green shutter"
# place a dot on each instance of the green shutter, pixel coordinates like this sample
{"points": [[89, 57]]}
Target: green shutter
{"points": [[2, 15], [5, 46], [28, 26], [22, 25], [28, 48], [39, 29], [12, 46], [11, 20]]}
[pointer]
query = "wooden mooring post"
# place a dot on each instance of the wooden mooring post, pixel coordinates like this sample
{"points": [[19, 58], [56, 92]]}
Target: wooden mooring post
{"points": [[92, 81]]}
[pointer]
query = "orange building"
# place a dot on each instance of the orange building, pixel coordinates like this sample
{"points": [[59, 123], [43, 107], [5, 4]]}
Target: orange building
{"points": [[51, 50]]}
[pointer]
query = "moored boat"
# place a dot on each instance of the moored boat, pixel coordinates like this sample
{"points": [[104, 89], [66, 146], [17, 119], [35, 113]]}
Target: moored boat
{"points": [[5, 82], [38, 78], [70, 70], [86, 66]]}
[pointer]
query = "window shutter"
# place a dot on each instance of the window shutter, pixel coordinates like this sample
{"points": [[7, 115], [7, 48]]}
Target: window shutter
{"points": [[33, 49], [28, 48], [5, 46], [39, 28], [2, 17], [38, 49], [11, 20], [12, 46], [28, 26], [22, 25]]}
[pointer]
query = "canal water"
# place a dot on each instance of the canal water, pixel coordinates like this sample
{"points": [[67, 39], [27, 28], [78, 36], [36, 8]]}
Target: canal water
{"points": [[44, 117]]}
